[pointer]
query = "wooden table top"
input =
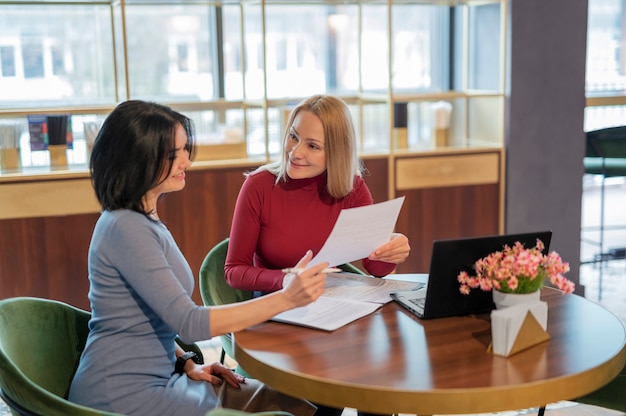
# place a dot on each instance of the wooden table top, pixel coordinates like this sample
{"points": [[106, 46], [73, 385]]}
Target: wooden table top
{"points": [[391, 361]]}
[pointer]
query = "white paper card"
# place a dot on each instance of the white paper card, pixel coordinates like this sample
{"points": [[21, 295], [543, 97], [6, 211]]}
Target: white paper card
{"points": [[506, 323]]}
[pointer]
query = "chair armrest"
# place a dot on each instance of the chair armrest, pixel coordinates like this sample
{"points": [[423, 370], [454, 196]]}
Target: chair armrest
{"points": [[191, 347]]}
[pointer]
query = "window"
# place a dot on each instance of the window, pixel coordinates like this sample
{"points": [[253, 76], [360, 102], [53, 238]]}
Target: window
{"points": [[606, 64], [55, 55], [7, 61], [174, 55], [484, 42], [242, 65], [32, 53], [153, 31], [421, 48], [58, 61], [182, 57]]}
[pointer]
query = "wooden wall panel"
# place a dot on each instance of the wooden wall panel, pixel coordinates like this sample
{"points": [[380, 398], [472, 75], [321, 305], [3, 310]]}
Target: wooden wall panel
{"points": [[439, 213], [46, 257], [376, 177]]}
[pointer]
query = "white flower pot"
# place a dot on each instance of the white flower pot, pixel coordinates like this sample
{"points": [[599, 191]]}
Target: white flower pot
{"points": [[503, 300]]}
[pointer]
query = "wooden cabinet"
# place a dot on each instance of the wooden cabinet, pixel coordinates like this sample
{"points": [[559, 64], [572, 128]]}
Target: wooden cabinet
{"points": [[447, 195]]}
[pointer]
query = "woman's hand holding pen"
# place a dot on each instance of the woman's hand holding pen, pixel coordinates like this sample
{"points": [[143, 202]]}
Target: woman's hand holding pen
{"points": [[396, 250], [307, 285]]}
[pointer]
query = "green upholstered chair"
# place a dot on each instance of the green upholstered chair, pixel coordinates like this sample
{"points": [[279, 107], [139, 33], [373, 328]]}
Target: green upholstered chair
{"points": [[41, 342], [214, 289], [231, 412], [611, 396], [40, 345], [605, 152]]}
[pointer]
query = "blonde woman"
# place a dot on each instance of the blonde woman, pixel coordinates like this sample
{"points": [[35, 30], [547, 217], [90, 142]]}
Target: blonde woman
{"points": [[290, 206]]}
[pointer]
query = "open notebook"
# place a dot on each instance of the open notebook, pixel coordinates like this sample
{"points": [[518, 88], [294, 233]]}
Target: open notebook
{"points": [[441, 296]]}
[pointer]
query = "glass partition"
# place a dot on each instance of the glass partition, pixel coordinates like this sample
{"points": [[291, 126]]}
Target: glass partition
{"points": [[374, 46], [606, 65], [421, 48], [171, 52], [606, 48], [56, 55], [484, 47], [238, 67]]}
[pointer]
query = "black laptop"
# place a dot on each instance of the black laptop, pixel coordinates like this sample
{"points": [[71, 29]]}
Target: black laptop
{"points": [[441, 297]]}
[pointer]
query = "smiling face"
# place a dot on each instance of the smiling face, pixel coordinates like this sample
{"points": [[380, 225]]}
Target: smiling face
{"points": [[304, 146], [174, 180]]}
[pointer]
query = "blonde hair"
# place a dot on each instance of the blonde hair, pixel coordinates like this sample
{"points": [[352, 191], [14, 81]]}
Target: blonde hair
{"points": [[342, 160]]}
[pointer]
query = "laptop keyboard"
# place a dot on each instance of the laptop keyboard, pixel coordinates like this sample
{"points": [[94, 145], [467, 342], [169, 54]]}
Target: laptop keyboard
{"points": [[419, 302]]}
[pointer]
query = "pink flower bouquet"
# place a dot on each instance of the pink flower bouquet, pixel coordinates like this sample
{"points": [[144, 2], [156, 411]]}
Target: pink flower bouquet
{"points": [[517, 270]]}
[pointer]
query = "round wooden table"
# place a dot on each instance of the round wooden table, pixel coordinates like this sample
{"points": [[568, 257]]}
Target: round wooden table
{"points": [[391, 361]]}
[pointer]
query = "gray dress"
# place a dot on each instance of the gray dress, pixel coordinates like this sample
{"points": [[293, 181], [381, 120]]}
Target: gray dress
{"points": [[140, 295]]}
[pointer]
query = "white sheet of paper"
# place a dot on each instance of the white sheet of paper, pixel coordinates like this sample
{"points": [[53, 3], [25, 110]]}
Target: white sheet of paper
{"points": [[327, 313], [359, 231], [506, 323], [347, 297]]}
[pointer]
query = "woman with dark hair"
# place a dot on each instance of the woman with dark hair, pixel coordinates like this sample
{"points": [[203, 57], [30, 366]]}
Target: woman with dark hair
{"points": [[141, 285]]}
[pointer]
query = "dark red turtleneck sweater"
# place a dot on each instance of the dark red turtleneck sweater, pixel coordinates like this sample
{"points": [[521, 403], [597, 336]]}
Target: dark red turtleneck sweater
{"points": [[275, 224]]}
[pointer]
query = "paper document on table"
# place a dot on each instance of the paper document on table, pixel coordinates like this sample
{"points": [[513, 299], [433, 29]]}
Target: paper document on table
{"points": [[364, 288], [327, 313], [358, 232], [347, 297]]}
